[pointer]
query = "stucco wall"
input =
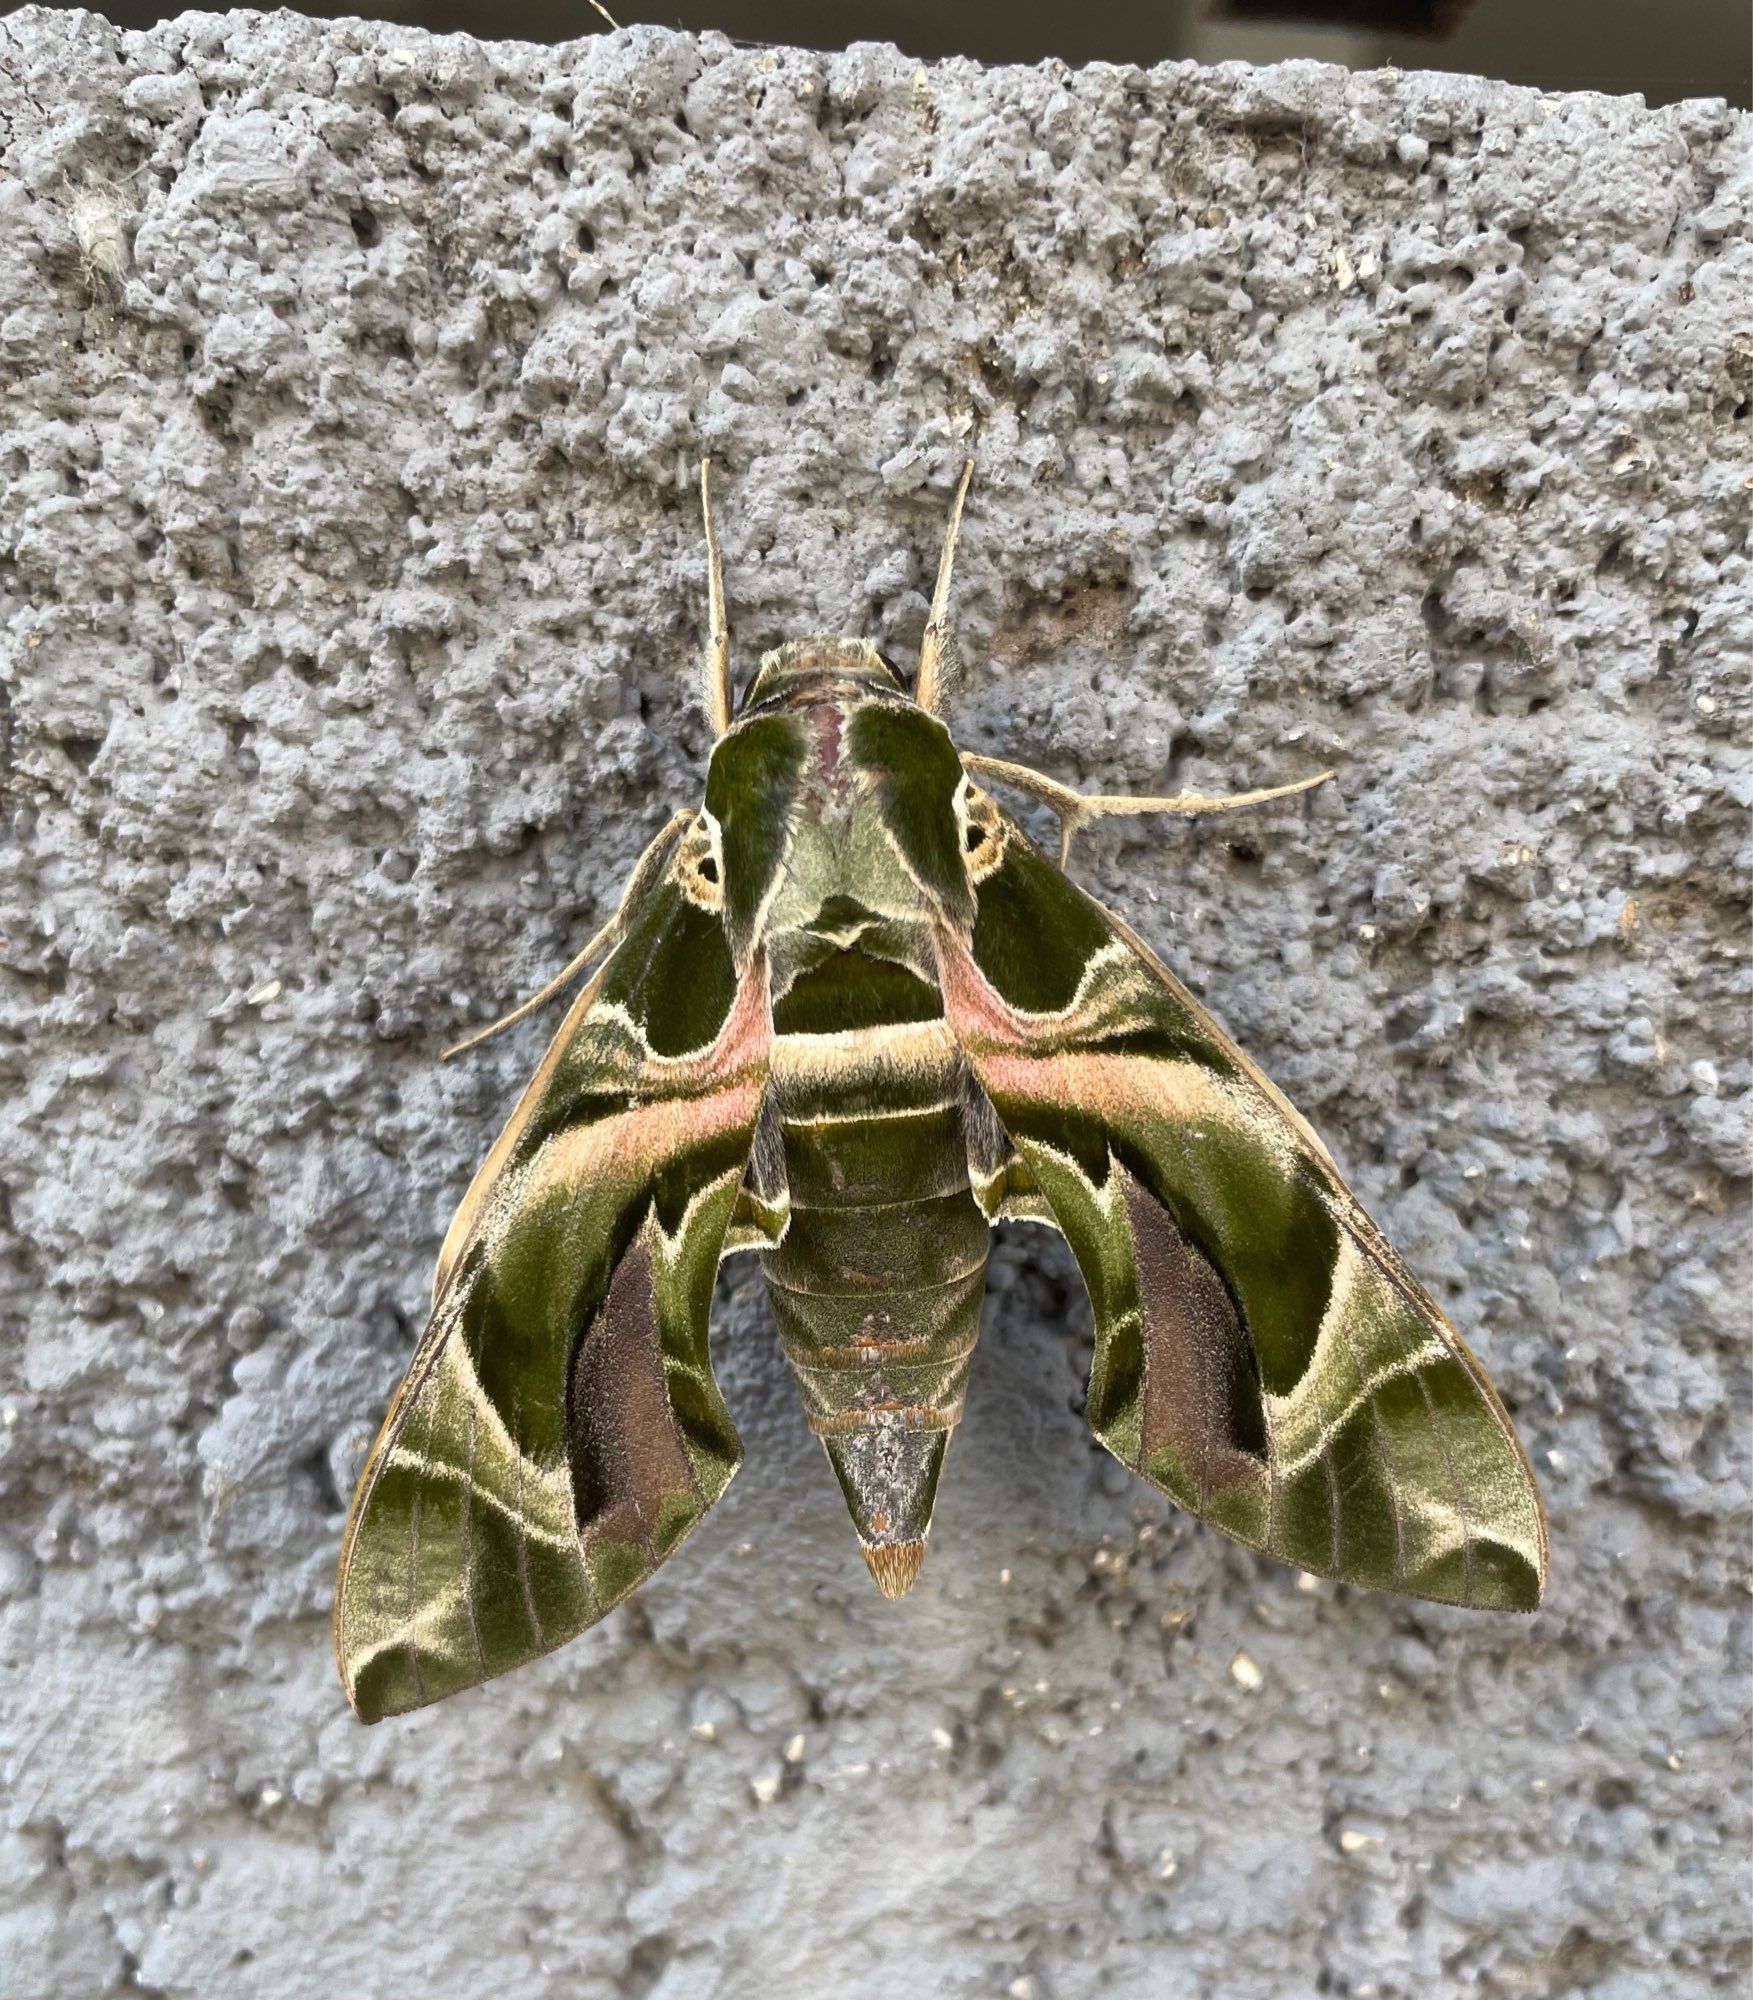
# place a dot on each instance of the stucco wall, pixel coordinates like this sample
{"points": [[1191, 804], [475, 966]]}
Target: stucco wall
{"points": [[353, 382]]}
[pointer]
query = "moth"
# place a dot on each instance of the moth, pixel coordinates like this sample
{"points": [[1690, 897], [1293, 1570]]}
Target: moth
{"points": [[848, 1016]]}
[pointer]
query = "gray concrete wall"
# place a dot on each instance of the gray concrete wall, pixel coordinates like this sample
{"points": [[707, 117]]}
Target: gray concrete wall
{"points": [[352, 385]]}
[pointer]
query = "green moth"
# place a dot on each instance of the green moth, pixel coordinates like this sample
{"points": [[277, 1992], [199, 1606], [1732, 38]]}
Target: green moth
{"points": [[848, 1016]]}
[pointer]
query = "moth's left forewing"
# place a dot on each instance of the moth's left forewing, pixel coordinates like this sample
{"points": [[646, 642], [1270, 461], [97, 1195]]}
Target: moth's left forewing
{"points": [[1262, 1356], [560, 1428]]}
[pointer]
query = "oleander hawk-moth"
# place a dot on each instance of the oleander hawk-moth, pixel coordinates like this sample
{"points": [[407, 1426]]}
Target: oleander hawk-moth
{"points": [[849, 1017]]}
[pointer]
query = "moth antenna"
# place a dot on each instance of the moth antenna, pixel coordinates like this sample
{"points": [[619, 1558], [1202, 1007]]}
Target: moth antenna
{"points": [[934, 648], [717, 661]]}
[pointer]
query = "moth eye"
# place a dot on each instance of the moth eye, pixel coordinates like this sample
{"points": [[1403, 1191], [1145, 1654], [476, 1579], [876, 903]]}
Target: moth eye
{"points": [[699, 870], [982, 834]]}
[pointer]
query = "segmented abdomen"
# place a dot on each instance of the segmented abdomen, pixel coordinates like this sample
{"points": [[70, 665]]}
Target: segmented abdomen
{"points": [[878, 1281]]}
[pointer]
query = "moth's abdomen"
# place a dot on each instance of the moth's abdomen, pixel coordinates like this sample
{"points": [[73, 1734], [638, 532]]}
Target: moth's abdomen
{"points": [[878, 1282]]}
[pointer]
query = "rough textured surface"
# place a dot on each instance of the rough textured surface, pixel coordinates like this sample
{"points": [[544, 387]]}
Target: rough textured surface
{"points": [[352, 383]]}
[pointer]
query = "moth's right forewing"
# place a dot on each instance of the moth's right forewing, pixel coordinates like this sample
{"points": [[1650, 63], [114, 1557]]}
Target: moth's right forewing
{"points": [[1262, 1356], [560, 1429]]}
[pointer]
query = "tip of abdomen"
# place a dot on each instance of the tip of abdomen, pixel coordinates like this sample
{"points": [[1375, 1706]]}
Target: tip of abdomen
{"points": [[888, 1472], [894, 1565]]}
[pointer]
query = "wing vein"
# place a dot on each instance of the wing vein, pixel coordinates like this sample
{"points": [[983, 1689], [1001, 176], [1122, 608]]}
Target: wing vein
{"points": [[469, 1543], [523, 1546], [1455, 1483], [1379, 1427], [1271, 1542], [1331, 1475], [412, 1642]]}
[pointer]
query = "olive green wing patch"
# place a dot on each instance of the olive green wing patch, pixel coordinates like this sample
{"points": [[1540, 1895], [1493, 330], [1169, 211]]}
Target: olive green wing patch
{"points": [[560, 1430], [1262, 1355]]}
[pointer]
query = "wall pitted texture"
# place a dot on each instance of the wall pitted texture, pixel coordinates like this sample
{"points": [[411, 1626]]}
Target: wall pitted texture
{"points": [[353, 383]]}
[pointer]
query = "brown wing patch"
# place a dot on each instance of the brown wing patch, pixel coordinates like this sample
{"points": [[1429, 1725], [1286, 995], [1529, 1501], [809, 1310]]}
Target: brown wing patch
{"points": [[626, 1448], [1201, 1386]]}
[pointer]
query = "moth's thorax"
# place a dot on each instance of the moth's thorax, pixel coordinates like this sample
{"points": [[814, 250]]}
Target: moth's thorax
{"points": [[839, 720], [841, 869]]}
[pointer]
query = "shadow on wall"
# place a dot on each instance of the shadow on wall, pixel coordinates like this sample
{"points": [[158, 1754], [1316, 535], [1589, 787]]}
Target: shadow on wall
{"points": [[1704, 48]]}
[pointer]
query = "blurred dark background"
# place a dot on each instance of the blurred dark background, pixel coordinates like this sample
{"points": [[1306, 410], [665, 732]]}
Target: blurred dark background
{"points": [[1663, 48]]}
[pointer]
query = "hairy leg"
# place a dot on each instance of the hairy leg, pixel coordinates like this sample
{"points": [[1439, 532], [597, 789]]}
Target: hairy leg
{"points": [[1077, 808]]}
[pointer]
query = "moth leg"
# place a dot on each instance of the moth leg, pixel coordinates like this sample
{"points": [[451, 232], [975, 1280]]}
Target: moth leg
{"points": [[716, 666], [646, 870], [939, 663], [1077, 808]]}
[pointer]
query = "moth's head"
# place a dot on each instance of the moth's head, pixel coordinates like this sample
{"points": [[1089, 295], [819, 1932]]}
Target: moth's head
{"points": [[834, 788], [821, 669], [834, 782]]}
